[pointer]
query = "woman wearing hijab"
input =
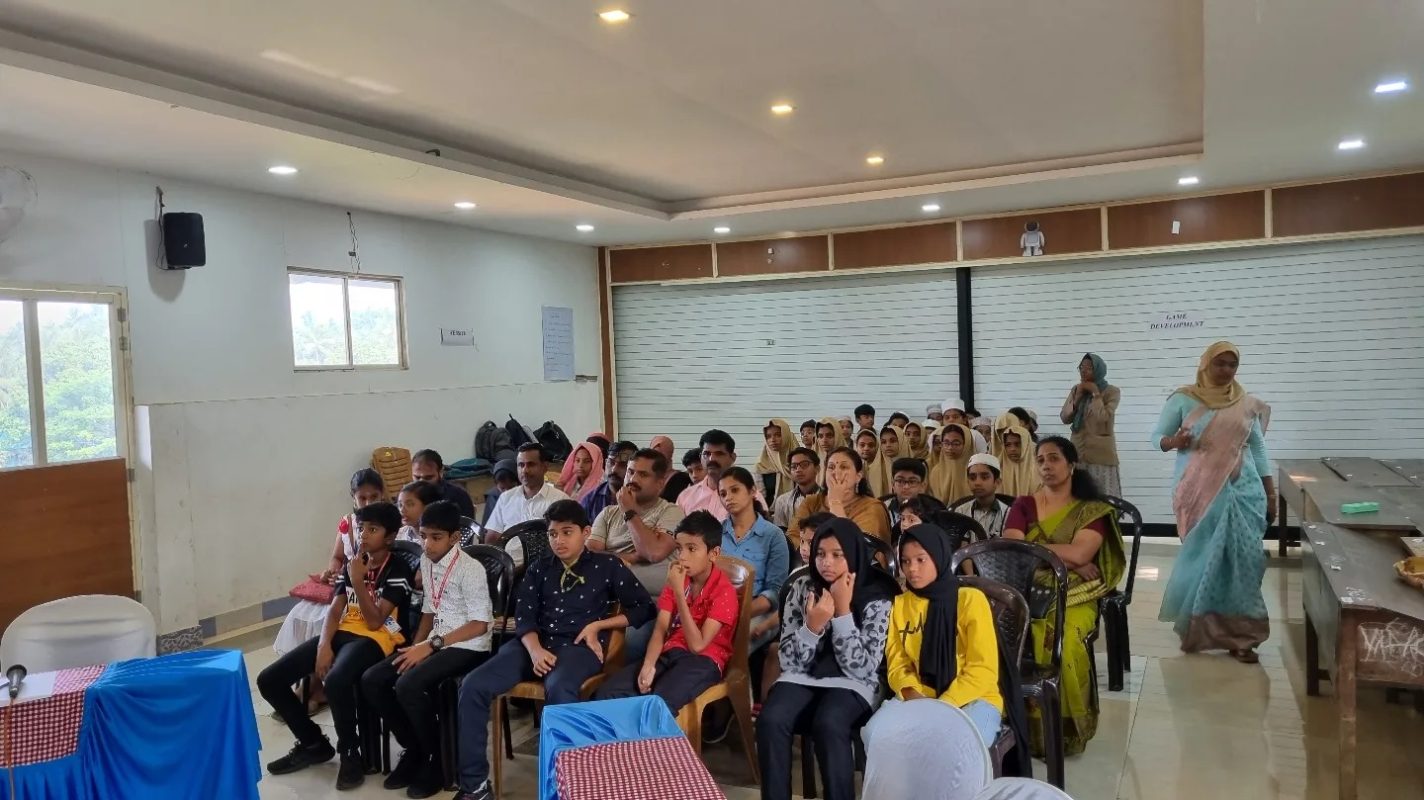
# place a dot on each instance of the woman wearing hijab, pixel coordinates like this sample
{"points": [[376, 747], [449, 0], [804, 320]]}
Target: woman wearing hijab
{"points": [[833, 640], [1013, 446], [916, 445], [828, 438], [877, 470], [943, 644], [773, 467], [1090, 412], [949, 477], [582, 472], [1221, 500], [893, 444]]}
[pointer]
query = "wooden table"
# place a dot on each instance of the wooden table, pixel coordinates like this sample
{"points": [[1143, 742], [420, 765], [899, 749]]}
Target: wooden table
{"points": [[1292, 476], [1363, 625], [1323, 501], [1365, 470], [1411, 468]]}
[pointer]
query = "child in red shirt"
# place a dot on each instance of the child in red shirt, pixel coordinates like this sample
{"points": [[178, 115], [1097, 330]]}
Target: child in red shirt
{"points": [[697, 618]]}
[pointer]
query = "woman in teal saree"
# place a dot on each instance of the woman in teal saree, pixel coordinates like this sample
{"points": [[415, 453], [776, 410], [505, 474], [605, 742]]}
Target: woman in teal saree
{"points": [[1221, 501]]}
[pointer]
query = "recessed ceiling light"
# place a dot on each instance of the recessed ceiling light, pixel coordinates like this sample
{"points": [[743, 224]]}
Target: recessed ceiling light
{"points": [[583, 227], [929, 208], [782, 109], [1391, 86], [614, 15], [875, 161], [282, 169], [464, 205], [1188, 180], [1351, 144], [721, 229]]}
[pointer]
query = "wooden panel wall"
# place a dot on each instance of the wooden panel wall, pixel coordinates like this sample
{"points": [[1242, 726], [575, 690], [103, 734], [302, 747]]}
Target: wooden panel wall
{"points": [[605, 341], [662, 263], [1079, 231], [1215, 218], [66, 533], [774, 256], [891, 247], [1396, 201]]}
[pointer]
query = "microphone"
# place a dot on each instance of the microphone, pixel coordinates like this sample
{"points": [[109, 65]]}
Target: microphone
{"points": [[16, 675]]}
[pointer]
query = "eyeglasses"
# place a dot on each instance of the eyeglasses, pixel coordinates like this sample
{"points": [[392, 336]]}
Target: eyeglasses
{"points": [[906, 481], [800, 465]]}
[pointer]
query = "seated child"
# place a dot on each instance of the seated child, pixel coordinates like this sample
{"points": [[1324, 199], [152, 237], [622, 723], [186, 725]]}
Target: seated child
{"points": [[986, 508], [807, 529], [360, 630], [453, 638], [942, 644], [697, 618], [561, 628], [411, 501]]}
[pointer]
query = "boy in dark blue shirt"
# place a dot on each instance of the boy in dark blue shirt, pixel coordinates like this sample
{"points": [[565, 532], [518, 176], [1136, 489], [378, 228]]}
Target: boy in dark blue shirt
{"points": [[560, 634]]}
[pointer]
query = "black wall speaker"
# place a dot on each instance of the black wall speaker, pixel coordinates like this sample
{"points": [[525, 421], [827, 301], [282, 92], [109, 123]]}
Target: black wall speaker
{"points": [[183, 245]]}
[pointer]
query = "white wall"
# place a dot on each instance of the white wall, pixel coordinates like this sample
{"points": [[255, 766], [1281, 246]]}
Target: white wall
{"points": [[242, 460]]}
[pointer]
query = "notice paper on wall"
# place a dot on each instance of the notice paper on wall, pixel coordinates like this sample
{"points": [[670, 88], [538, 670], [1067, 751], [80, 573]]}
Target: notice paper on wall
{"points": [[457, 337], [558, 328]]}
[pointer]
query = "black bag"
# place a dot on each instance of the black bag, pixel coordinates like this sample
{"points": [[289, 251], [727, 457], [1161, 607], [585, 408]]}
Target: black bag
{"points": [[556, 444], [518, 434], [492, 442]]}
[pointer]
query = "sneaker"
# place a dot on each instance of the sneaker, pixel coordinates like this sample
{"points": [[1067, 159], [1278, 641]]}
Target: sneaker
{"points": [[429, 782], [407, 768], [352, 772], [481, 792], [302, 756]]}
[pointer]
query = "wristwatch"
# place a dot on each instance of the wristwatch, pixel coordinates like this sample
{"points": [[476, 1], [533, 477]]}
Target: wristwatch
{"points": [[437, 643], [629, 515]]}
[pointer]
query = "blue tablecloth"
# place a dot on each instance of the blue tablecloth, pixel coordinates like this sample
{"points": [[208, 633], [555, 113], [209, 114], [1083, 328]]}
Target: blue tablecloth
{"points": [[571, 725], [177, 726]]}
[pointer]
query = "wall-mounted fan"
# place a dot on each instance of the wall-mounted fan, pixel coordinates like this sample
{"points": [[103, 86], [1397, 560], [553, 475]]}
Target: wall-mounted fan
{"points": [[18, 196]]}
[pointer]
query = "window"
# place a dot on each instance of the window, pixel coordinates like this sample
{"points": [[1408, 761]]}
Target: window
{"points": [[58, 377], [345, 321]]}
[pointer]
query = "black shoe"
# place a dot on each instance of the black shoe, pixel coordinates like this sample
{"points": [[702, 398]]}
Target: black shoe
{"points": [[352, 772], [407, 768], [302, 756], [481, 792], [428, 783]]}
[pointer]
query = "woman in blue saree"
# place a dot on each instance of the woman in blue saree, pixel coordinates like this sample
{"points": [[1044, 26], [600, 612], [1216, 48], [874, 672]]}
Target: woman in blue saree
{"points": [[1223, 482]]}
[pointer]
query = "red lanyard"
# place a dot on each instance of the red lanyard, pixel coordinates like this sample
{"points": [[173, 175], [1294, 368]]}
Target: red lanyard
{"points": [[436, 595], [372, 583]]}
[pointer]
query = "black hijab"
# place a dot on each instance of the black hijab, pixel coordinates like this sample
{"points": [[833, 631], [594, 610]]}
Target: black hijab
{"points": [[938, 644], [871, 583]]}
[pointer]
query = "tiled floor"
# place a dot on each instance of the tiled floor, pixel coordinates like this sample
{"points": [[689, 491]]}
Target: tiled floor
{"points": [[1187, 726]]}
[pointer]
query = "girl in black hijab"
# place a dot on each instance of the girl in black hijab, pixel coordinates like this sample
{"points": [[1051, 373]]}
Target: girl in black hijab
{"points": [[832, 644]]}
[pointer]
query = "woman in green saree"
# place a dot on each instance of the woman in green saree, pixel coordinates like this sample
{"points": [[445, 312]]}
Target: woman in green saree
{"points": [[1067, 516]]}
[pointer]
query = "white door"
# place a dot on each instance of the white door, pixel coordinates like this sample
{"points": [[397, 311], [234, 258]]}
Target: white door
{"points": [[696, 356]]}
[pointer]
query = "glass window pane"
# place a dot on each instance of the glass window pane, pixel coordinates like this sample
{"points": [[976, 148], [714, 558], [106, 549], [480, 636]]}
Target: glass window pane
{"points": [[77, 360], [15, 444], [375, 321], [318, 321]]}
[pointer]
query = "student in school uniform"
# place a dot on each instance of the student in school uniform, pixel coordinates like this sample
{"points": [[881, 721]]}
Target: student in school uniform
{"points": [[361, 629], [805, 465], [697, 618], [561, 629], [453, 638]]}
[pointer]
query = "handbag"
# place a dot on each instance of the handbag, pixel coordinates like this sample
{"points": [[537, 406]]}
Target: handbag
{"points": [[314, 591]]}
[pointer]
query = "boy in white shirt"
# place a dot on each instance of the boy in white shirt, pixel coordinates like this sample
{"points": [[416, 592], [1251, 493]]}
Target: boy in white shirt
{"points": [[453, 638]]}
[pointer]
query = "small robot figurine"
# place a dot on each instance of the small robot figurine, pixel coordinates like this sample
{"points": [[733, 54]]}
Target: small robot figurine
{"points": [[1032, 240]]}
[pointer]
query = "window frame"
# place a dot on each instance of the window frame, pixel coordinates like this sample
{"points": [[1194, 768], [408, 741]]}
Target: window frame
{"points": [[346, 277], [112, 297]]}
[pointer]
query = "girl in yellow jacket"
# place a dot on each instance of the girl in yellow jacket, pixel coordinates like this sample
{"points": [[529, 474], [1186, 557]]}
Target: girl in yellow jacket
{"points": [[942, 644]]}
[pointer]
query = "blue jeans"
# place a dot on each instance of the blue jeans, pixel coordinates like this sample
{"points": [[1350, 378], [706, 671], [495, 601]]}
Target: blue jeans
{"points": [[986, 719]]}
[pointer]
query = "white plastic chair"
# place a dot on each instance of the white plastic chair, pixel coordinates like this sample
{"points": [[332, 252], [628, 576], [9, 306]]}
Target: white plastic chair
{"points": [[79, 632], [922, 749], [1021, 789]]}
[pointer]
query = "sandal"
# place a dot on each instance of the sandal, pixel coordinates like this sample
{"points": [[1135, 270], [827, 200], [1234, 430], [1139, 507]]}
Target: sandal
{"points": [[1245, 656]]}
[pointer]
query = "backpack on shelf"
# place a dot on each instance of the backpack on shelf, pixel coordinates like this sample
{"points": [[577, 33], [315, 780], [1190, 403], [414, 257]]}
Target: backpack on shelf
{"points": [[556, 444], [492, 443]]}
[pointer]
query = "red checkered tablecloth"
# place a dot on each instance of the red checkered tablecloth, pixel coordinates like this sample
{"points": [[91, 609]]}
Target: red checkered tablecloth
{"points": [[46, 729], [651, 769]]}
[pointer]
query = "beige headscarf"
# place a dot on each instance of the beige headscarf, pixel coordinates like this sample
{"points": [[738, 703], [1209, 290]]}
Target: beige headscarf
{"points": [[1210, 395], [1019, 477], [923, 451], [877, 469], [777, 462], [949, 478], [826, 454]]}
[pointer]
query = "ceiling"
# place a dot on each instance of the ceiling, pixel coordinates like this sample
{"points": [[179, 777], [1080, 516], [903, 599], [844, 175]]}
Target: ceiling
{"points": [[659, 128]]}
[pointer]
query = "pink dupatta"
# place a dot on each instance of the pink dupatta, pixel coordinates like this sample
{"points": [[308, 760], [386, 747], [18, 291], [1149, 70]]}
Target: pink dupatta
{"points": [[595, 473], [1215, 457]]}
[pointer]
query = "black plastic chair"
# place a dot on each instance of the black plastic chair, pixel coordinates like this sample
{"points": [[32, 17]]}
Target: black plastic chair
{"points": [[471, 532], [962, 528], [1015, 563], [533, 536], [883, 549], [1011, 620], [1112, 607], [499, 575], [1006, 499]]}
